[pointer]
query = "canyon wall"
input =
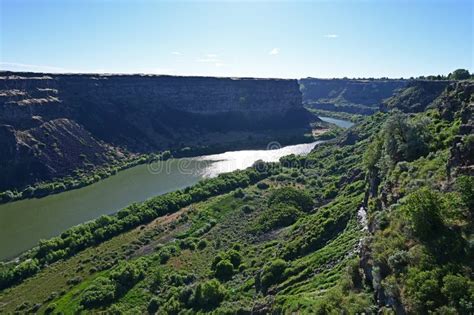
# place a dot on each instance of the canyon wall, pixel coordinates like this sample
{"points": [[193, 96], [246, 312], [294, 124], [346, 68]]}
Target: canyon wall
{"points": [[348, 95], [51, 124]]}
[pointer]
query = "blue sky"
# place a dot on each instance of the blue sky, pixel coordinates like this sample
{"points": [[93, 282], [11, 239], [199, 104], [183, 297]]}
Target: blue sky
{"points": [[263, 39]]}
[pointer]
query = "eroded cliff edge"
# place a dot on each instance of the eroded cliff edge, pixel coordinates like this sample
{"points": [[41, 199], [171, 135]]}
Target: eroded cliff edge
{"points": [[52, 124]]}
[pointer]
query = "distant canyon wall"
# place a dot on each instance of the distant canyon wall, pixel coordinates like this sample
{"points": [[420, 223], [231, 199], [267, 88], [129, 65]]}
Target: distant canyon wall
{"points": [[349, 95]]}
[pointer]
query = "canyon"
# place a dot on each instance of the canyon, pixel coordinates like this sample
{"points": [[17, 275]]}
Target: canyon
{"points": [[54, 124]]}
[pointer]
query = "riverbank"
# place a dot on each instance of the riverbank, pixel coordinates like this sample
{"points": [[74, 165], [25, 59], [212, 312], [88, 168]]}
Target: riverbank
{"points": [[88, 176], [25, 222]]}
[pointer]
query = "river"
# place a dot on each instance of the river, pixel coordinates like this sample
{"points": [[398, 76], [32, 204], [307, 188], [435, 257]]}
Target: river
{"points": [[23, 223]]}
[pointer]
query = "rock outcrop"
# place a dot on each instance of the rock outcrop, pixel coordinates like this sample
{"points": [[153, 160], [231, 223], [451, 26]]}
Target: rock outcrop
{"points": [[51, 124]]}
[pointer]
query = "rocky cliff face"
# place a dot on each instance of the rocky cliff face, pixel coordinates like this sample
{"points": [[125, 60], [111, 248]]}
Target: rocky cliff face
{"points": [[47, 121], [416, 96], [346, 95]]}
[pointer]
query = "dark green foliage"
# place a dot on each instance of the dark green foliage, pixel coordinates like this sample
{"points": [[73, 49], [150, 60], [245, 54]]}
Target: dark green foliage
{"points": [[99, 293], [272, 273], [202, 244], [105, 290], [225, 263], [234, 257], [153, 306], [208, 295], [224, 270], [10, 275], [465, 186], [291, 196], [247, 209], [405, 140], [277, 216], [239, 193], [459, 74], [424, 211], [157, 279]]}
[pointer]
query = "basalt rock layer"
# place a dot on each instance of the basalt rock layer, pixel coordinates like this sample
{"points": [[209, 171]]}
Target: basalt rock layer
{"points": [[51, 124]]}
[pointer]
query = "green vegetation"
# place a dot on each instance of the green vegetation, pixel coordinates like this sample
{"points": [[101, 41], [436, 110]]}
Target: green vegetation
{"points": [[380, 220]]}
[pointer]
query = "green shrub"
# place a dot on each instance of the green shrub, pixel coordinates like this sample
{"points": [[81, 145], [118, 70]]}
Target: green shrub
{"points": [[153, 305], [280, 215], [423, 209], [292, 196], [234, 257], [224, 270], [247, 209], [208, 295], [100, 293], [272, 273], [202, 244]]}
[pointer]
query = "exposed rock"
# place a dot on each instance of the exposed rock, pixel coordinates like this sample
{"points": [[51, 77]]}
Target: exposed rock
{"points": [[52, 124]]}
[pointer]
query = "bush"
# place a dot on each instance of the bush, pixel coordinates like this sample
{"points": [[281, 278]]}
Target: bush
{"points": [[239, 193], [208, 295], [153, 305], [224, 270], [99, 293], [247, 209], [105, 290], [273, 273], [234, 257], [262, 185], [291, 196], [280, 215], [202, 244]]}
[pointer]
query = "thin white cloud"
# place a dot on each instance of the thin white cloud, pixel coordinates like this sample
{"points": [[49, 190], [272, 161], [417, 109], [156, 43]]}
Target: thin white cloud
{"points": [[211, 55], [274, 51], [176, 53], [331, 36], [29, 67]]}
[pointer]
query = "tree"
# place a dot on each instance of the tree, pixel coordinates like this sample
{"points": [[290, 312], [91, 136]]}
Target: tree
{"points": [[405, 140], [456, 288], [460, 74], [465, 186], [423, 208]]}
